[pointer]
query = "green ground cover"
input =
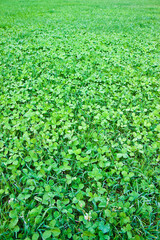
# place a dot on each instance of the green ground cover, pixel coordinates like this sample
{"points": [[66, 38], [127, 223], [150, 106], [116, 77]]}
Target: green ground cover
{"points": [[79, 119]]}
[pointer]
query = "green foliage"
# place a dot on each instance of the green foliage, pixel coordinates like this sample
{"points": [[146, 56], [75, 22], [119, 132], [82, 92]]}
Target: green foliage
{"points": [[79, 119]]}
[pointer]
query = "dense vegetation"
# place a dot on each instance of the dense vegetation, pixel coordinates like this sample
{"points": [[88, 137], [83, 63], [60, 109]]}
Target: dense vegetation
{"points": [[79, 119]]}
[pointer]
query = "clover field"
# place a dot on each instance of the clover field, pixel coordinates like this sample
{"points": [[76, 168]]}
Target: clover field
{"points": [[79, 119]]}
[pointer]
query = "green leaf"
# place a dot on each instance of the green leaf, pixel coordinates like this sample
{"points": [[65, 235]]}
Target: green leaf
{"points": [[56, 232], [81, 203], [52, 223], [104, 228], [88, 234], [129, 234], [77, 151], [102, 204], [35, 211], [13, 214], [107, 213], [1, 144], [35, 236], [128, 227], [119, 155], [13, 222], [1, 191], [158, 128], [47, 234], [16, 228]]}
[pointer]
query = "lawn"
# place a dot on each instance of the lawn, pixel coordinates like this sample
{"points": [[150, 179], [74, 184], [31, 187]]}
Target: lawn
{"points": [[79, 119]]}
